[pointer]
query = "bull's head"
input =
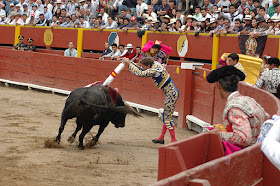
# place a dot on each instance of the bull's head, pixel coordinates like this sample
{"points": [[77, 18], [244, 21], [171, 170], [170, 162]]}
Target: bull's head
{"points": [[120, 113]]}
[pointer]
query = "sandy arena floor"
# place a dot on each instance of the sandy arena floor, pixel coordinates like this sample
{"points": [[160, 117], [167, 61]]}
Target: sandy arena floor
{"points": [[124, 156]]}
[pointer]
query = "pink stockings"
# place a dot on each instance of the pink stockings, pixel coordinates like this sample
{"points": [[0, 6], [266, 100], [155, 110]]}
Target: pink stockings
{"points": [[171, 131]]}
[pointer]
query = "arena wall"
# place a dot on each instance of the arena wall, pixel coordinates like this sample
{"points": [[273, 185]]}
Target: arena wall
{"points": [[197, 97], [201, 47]]}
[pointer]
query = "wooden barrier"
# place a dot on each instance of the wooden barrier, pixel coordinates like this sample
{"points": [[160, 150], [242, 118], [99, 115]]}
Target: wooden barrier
{"points": [[188, 153], [68, 73], [201, 47], [208, 106], [246, 167]]}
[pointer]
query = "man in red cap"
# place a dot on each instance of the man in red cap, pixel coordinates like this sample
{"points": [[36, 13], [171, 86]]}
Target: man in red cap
{"points": [[133, 25]]}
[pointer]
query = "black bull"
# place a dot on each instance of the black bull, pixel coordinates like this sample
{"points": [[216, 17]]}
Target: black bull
{"points": [[93, 106]]}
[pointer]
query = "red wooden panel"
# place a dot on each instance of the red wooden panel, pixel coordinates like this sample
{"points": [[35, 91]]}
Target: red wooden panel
{"points": [[228, 44], [7, 34], [94, 40], [61, 37], [198, 47]]}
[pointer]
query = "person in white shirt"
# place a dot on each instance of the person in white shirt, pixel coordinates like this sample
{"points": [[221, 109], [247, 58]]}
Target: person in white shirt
{"points": [[117, 4], [18, 20], [111, 24], [35, 12], [150, 13], [83, 4], [104, 15], [91, 7], [71, 51], [83, 23], [25, 10], [71, 7], [115, 52], [140, 7], [233, 15], [40, 6], [271, 143], [49, 5]]}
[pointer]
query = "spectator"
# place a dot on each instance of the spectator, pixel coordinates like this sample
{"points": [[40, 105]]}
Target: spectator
{"points": [[25, 19], [253, 13], [242, 7], [162, 9], [93, 8], [21, 45], [131, 4], [237, 27], [35, 12], [49, 5], [223, 3], [18, 20], [71, 51], [30, 46], [42, 21], [140, 8], [122, 51], [125, 15], [248, 25], [114, 54], [250, 5], [107, 50], [116, 6], [271, 11], [99, 22], [111, 24], [31, 21], [71, 7], [207, 5], [150, 13], [216, 12], [138, 53], [83, 4], [271, 143], [197, 14], [262, 12], [18, 9], [82, 23], [54, 21], [233, 15], [270, 80], [133, 25], [104, 15], [163, 27], [25, 10], [47, 14], [277, 11], [57, 12], [172, 6], [242, 115], [88, 16], [74, 19], [68, 23], [40, 6], [129, 53], [204, 14]]}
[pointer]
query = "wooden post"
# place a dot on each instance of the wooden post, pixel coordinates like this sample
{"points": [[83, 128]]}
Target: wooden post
{"points": [[80, 41], [215, 52]]}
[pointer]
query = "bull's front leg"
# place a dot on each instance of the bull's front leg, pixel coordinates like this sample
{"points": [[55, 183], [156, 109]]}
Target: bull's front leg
{"points": [[86, 129], [102, 126]]}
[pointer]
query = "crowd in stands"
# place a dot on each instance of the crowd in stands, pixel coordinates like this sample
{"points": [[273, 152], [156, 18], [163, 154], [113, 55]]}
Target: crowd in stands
{"points": [[258, 17]]}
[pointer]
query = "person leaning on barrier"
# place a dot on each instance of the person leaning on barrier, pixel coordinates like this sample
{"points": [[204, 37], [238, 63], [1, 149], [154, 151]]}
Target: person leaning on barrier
{"points": [[270, 79], [271, 143], [21, 45], [242, 116], [30, 46], [114, 54], [71, 51], [161, 78]]}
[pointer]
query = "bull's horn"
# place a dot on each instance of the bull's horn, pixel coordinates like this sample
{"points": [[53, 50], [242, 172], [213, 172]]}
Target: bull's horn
{"points": [[132, 111]]}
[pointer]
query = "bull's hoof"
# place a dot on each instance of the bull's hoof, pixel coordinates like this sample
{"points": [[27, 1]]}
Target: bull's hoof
{"points": [[94, 139], [57, 141], [91, 144], [81, 147], [71, 139]]}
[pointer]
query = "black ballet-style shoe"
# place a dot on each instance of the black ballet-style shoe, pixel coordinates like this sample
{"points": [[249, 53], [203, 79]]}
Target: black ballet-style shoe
{"points": [[158, 141]]}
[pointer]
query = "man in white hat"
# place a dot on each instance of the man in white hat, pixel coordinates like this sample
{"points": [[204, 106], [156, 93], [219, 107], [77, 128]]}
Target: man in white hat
{"points": [[71, 7], [131, 52], [58, 4], [2, 19], [83, 4], [248, 25]]}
